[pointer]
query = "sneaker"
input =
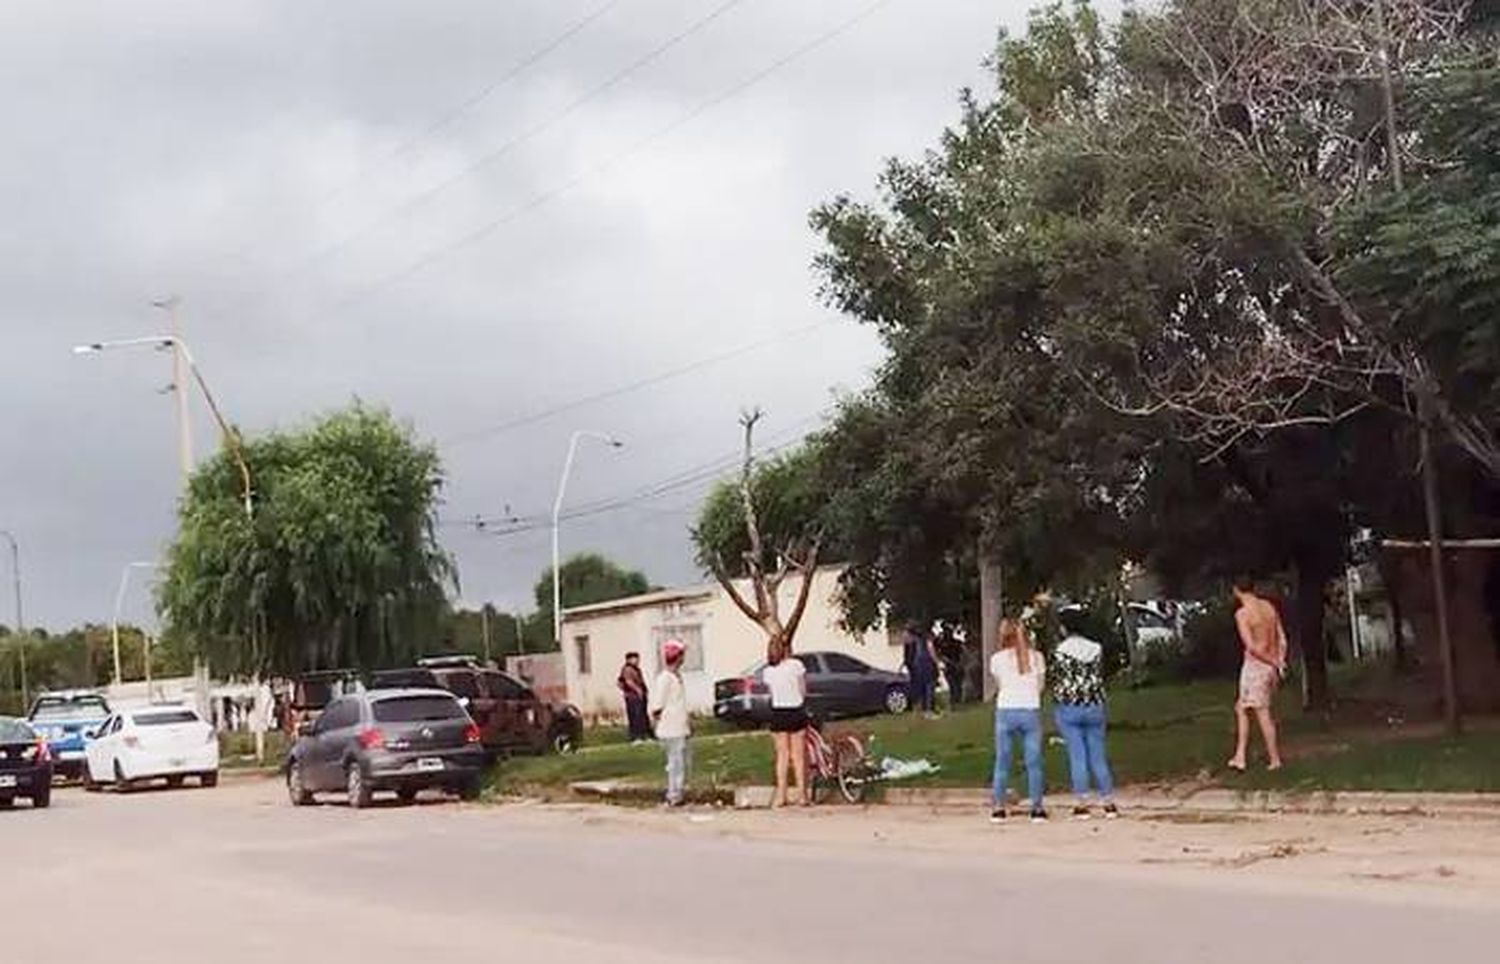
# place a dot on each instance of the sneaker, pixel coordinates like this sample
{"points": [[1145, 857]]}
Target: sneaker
{"points": [[1082, 812], [997, 815], [1038, 815], [1111, 812]]}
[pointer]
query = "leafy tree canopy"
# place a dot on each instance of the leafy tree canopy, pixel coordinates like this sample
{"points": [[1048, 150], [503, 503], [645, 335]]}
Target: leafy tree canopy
{"points": [[339, 565]]}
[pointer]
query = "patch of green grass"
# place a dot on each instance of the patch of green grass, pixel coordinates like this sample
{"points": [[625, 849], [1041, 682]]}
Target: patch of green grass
{"points": [[1470, 762], [1158, 734], [237, 749]]}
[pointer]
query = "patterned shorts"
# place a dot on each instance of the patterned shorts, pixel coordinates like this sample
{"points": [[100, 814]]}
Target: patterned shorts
{"points": [[1257, 684]]}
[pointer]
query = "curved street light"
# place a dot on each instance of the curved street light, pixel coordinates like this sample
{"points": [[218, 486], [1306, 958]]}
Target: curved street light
{"points": [[562, 488], [231, 436]]}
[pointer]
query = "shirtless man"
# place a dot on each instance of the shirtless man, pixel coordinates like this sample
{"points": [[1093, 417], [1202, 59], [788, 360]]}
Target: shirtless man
{"points": [[1265, 662]]}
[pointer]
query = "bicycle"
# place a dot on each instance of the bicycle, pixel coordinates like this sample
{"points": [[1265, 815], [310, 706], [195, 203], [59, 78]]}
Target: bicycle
{"points": [[842, 763]]}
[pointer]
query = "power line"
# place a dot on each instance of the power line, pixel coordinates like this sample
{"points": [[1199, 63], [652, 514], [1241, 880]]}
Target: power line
{"points": [[452, 114], [505, 148], [617, 391], [545, 197], [701, 476]]}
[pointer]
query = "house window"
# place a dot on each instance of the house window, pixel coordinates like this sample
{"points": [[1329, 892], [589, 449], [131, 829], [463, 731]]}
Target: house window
{"points": [[581, 655], [691, 638]]}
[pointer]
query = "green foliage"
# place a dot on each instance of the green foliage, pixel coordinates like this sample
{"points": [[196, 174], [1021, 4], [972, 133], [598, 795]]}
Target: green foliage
{"points": [[585, 578], [340, 564], [788, 507]]}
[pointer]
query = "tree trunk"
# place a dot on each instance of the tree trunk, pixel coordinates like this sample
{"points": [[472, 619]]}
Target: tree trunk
{"points": [[990, 609], [1312, 580]]}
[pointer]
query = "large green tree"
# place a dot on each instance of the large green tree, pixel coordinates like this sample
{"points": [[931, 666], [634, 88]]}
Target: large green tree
{"points": [[585, 578], [338, 566]]}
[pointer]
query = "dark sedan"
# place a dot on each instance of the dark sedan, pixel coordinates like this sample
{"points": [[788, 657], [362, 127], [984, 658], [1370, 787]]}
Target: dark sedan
{"points": [[399, 740], [837, 685], [25, 765]]}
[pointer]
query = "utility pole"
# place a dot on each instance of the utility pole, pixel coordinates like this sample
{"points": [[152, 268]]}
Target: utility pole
{"points": [[1425, 388], [15, 566], [179, 388], [484, 622]]}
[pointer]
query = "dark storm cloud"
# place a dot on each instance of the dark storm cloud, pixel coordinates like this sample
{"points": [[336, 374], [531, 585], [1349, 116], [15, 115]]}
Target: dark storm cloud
{"points": [[215, 149]]}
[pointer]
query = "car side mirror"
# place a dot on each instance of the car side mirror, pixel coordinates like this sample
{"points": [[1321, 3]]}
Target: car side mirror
{"points": [[305, 728]]}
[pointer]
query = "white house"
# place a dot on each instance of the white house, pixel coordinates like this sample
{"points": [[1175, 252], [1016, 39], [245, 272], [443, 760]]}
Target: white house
{"points": [[720, 640]]}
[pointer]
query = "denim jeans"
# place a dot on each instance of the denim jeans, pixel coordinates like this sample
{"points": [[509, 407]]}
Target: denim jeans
{"points": [[1083, 730], [678, 760], [1028, 725]]}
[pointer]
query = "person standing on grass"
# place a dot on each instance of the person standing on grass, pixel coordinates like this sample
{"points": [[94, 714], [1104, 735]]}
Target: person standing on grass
{"points": [[1264, 640], [632, 683], [921, 667], [669, 710], [1078, 694], [1020, 674], [786, 678]]}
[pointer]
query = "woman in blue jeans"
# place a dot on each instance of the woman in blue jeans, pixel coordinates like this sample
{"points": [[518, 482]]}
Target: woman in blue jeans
{"points": [[1020, 674], [1078, 691]]}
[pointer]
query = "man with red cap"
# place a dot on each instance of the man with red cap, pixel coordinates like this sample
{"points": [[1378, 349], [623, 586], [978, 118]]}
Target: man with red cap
{"points": [[669, 710]]}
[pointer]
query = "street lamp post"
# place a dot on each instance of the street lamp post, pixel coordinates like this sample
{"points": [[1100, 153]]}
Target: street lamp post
{"points": [[562, 488], [15, 567], [114, 626], [180, 349]]}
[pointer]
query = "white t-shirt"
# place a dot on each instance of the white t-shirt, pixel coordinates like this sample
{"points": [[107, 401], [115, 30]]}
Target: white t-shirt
{"points": [[1015, 691], [669, 697], [784, 680]]}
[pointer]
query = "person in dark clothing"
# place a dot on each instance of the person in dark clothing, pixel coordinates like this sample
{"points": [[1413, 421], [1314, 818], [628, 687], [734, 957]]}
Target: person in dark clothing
{"points": [[632, 684], [950, 650], [921, 667]]}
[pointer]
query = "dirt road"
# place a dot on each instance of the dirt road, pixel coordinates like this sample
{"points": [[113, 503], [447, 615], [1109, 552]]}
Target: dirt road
{"points": [[236, 875]]}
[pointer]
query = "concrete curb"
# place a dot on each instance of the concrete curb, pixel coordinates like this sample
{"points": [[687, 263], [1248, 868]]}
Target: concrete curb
{"points": [[1205, 801], [1481, 805]]}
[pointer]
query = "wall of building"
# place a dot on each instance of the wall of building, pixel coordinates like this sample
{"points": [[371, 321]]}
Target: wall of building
{"points": [[721, 641]]}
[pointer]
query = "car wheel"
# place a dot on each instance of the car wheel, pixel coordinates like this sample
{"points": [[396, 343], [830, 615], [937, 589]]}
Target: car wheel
{"points": [[175, 782], [122, 784], [897, 700], [209, 779], [90, 785], [407, 797], [357, 787], [564, 741], [470, 789], [42, 799], [295, 788], [7, 802]]}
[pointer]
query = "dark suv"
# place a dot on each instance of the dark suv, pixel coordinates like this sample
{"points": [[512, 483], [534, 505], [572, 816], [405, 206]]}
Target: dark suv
{"points": [[401, 740], [511, 717]]}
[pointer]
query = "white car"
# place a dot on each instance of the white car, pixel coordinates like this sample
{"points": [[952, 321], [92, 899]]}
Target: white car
{"points": [[162, 742]]}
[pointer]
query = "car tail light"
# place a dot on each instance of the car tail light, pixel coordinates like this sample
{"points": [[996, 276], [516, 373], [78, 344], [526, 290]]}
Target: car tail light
{"points": [[747, 686], [371, 738], [38, 753], [471, 733]]}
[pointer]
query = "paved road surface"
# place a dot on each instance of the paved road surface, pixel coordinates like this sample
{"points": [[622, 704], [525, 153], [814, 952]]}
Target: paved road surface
{"points": [[236, 875]]}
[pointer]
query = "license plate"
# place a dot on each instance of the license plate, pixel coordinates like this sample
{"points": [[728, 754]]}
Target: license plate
{"points": [[429, 763], [7, 780]]}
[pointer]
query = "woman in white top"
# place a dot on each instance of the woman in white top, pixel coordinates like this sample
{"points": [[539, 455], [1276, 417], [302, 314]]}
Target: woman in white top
{"points": [[786, 678], [1020, 673]]}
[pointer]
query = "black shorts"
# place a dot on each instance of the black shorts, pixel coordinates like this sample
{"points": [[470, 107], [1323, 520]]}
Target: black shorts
{"points": [[788, 719]]}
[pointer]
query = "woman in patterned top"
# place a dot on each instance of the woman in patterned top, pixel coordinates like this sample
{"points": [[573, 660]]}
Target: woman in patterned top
{"points": [[1078, 690]]}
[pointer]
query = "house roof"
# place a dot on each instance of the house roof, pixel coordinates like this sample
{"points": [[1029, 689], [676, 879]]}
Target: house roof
{"points": [[681, 593]]}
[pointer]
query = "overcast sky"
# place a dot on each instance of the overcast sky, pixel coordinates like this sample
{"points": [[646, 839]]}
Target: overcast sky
{"points": [[345, 216]]}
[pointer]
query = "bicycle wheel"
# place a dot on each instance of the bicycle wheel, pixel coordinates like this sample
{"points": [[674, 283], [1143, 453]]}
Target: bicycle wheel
{"points": [[851, 768]]}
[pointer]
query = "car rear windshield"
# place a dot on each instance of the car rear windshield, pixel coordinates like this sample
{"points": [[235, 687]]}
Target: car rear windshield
{"points": [[59, 709], [417, 709], [14, 731], [165, 717]]}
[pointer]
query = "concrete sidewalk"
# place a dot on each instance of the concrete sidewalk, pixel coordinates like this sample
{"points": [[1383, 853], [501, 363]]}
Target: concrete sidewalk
{"points": [[1187, 801]]}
